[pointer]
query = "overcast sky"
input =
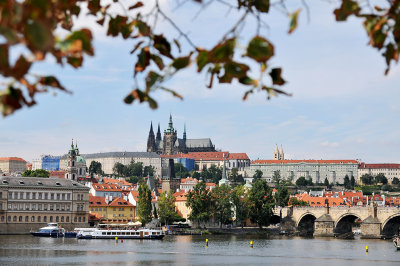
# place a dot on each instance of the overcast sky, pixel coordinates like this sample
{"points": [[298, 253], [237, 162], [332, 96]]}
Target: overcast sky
{"points": [[343, 107]]}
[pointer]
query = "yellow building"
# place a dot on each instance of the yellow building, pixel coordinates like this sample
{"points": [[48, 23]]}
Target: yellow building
{"points": [[180, 204], [113, 210]]}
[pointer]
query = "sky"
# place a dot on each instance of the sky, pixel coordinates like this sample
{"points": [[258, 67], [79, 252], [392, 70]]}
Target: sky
{"points": [[343, 106]]}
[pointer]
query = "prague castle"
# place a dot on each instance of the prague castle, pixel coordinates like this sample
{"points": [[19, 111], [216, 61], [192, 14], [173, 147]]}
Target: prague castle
{"points": [[171, 144]]}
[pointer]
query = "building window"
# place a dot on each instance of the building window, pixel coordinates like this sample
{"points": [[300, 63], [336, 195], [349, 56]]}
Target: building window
{"points": [[45, 219], [75, 219], [80, 220], [51, 219], [39, 207], [67, 219], [9, 218], [57, 219], [33, 195], [21, 206], [62, 207], [52, 196], [2, 218], [58, 196], [33, 219], [68, 196], [40, 195], [26, 219], [57, 207], [20, 219], [83, 219], [51, 207], [27, 206], [39, 219], [68, 207], [62, 218], [46, 195], [21, 195], [9, 206], [15, 195], [63, 196], [14, 218], [45, 207]]}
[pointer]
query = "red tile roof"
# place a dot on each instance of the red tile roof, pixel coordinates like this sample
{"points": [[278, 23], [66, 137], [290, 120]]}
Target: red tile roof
{"points": [[210, 156], [379, 166], [180, 196], [106, 187], [305, 161], [122, 182], [12, 159], [101, 202]]}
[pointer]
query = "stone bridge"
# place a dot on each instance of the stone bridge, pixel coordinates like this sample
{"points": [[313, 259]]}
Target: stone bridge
{"points": [[375, 222]]}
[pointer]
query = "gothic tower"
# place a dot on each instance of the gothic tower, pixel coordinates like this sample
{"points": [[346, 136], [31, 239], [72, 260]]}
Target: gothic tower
{"points": [[151, 142], [276, 153], [158, 138], [281, 154], [170, 136], [72, 170]]}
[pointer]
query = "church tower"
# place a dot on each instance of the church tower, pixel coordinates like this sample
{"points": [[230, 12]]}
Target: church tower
{"points": [[158, 138], [151, 142], [276, 153], [170, 136], [71, 172], [281, 154]]}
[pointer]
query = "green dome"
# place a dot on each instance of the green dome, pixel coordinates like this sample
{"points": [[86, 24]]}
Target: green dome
{"points": [[80, 159]]}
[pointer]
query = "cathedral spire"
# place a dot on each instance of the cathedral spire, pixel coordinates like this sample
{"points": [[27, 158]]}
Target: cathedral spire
{"points": [[158, 138], [151, 142], [184, 132]]}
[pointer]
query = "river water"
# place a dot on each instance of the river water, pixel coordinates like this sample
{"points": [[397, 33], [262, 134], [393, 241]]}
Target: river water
{"points": [[191, 250]]}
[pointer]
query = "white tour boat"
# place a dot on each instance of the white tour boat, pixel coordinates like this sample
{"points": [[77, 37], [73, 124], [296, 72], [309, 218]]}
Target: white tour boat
{"points": [[118, 231]]}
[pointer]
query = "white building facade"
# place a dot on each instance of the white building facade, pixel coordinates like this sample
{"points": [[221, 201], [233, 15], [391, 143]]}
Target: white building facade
{"points": [[390, 170], [318, 170]]}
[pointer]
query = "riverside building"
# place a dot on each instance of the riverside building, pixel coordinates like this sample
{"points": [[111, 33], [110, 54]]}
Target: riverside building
{"points": [[28, 203], [12, 165]]}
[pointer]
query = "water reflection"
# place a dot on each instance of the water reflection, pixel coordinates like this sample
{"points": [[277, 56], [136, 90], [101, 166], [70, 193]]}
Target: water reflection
{"points": [[185, 250]]}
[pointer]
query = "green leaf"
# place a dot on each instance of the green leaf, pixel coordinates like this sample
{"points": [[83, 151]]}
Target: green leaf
{"points": [[348, 8], [260, 49], [85, 36], [162, 45], [293, 20], [158, 61], [222, 52], [202, 60], [151, 79], [143, 60], [143, 28], [276, 76], [262, 5], [38, 36], [52, 82], [233, 70], [181, 62]]}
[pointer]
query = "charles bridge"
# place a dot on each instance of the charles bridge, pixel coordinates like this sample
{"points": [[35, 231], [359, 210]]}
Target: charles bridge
{"points": [[376, 222]]}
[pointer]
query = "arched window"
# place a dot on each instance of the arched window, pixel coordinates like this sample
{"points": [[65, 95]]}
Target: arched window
{"points": [[57, 219], [62, 218], [75, 219], [9, 218], [20, 219], [2, 218], [33, 219], [83, 219], [67, 220], [73, 176], [73, 163], [26, 219], [51, 219], [45, 219], [14, 218], [39, 219], [80, 220]]}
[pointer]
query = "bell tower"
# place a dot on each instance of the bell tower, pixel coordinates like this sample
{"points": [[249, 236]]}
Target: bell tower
{"points": [[170, 136], [71, 172]]}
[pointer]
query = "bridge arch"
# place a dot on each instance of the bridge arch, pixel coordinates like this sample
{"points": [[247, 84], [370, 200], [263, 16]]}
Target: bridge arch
{"points": [[344, 224], [275, 219], [305, 224], [391, 226]]}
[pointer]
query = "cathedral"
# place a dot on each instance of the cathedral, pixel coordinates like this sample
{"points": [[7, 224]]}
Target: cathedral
{"points": [[278, 154], [170, 143]]}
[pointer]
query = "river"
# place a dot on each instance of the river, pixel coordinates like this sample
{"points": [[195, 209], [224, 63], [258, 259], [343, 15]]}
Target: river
{"points": [[191, 250]]}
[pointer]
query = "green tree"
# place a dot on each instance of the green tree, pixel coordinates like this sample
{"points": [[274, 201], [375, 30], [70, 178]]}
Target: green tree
{"points": [[326, 182], [241, 204], [196, 175], [233, 175], [276, 177], [95, 168], [148, 170], [293, 201], [261, 203], [367, 179], [135, 179], [282, 196], [395, 181], [310, 182], [352, 182], [166, 208], [134, 169], [215, 173], [119, 169], [36, 173], [381, 178], [301, 181], [200, 201], [257, 175], [222, 204], [346, 182], [181, 171], [144, 207], [34, 26]]}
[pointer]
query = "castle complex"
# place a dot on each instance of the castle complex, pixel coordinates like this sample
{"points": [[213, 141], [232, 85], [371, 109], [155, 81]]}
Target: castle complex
{"points": [[171, 144]]}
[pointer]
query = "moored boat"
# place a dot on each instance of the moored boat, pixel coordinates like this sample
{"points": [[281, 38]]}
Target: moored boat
{"points": [[396, 242], [118, 231], [50, 230]]}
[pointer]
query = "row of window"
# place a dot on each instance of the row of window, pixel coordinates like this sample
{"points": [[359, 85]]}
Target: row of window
{"points": [[39, 219], [39, 195], [39, 207], [114, 209]]}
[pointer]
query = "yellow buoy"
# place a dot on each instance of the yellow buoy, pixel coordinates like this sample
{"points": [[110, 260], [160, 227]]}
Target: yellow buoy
{"points": [[206, 242], [366, 248], [251, 244]]}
